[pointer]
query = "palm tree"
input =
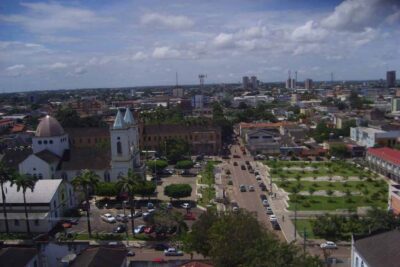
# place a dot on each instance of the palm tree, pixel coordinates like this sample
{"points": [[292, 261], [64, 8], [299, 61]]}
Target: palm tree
{"points": [[87, 181], [24, 182], [5, 176], [129, 185]]}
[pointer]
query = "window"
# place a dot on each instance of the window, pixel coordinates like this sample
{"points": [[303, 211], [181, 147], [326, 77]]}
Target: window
{"points": [[45, 142], [40, 176], [39, 142], [356, 261], [88, 140], [51, 141], [106, 176], [16, 222], [119, 147], [36, 222]]}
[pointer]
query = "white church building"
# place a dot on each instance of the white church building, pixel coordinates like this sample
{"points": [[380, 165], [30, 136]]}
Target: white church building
{"points": [[53, 158]]}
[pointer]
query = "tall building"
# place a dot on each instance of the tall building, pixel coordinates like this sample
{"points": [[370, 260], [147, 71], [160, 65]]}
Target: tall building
{"points": [[395, 104], [308, 84], [290, 83], [254, 82], [245, 82], [198, 101], [391, 78], [177, 92]]}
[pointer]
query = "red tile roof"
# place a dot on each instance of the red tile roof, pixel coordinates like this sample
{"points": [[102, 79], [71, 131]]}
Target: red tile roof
{"points": [[387, 154]]}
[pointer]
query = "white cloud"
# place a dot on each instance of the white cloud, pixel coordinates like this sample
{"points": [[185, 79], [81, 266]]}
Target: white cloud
{"points": [[15, 70], [224, 40], [139, 56], [57, 65], [45, 18], [166, 21], [165, 52], [309, 32], [16, 67], [79, 71]]}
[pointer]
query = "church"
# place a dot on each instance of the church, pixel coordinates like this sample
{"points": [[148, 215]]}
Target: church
{"points": [[53, 157]]}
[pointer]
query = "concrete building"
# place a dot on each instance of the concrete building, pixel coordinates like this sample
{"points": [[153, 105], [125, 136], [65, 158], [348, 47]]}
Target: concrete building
{"points": [[290, 83], [385, 161], [308, 84], [254, 82], [178, 92], [263, 141], [395, 104], [252, 100], [245, 82], [391, 79], [376, 250], [369, 137], [46, 205], [198, 101], [394, 198]]}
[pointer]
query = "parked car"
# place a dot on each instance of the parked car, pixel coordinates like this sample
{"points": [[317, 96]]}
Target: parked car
{"points": [[189, 216], [137, 214], [235, 209], [120, 229], [121, 218], [251, 188], [243, 167], [328, 245], [275, 225], [247, 162], [242, 188], [235, 163], [131, 253], [261, 184], [149, 229], [171, 230], [258, 178], [265, 203], [173, 252], [263, 188], [139, 229], [185, 205], [108, 218], [236, 156], [263, 196], [272, 218], [269, 211]]}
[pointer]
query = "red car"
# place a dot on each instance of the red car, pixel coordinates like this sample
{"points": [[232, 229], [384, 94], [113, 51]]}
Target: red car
{"points": [[190, 216], [149, 229]]}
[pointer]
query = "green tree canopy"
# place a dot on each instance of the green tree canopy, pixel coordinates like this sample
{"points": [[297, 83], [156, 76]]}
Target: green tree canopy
{"points": [[178, 190], [157, 165], [184, 164]]}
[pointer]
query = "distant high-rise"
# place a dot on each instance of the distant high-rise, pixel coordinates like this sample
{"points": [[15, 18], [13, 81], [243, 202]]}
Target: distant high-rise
{"points": [[308, 84], [254, 82], [396, 104], [246, 82], [391, 78], [290, 83]]}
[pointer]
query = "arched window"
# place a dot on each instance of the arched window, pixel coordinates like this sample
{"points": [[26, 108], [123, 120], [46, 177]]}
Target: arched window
{"points": [[119, 147], [106, 176]]}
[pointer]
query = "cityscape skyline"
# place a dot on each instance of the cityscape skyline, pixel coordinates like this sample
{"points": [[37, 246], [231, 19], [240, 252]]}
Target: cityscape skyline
{"points": [[92, 44]]}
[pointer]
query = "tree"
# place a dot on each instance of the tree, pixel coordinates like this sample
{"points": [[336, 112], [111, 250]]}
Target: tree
{"points": [[128, 185], [338, 150], [178, 190], [86, 182], [238, 239], [157, 165], [107, 189], [329, 192], [184, 164], [311, 190], [176, 149], [5, 176], [145, 188], [24, 182]]}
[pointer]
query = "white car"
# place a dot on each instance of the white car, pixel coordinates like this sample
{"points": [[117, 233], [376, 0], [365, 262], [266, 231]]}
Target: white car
{"points": [[269, 211], [328, 245], [265, 203], [251, 188], [173, 252], [197, 165], [258, 178], [108, 218], [272, 218], [185, 205], [139, 229], [121, 217]]}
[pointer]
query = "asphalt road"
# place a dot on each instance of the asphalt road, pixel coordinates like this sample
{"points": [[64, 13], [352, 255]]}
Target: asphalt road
{"points": [[247, 200]]}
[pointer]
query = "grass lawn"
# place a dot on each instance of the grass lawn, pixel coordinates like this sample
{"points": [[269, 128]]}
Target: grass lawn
{"points": [[366, 187], [207, 175], [333, 203], [305, 224], [208, 193]]}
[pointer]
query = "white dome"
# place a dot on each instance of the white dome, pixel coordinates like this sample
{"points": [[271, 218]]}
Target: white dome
{"points": [[49, 127]]}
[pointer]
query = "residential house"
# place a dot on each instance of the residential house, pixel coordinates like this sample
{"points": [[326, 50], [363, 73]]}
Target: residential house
{"points": [[385, 161]]}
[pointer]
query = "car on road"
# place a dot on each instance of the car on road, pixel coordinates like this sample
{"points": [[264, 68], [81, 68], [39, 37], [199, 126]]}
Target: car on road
{"points": [[269, 211], [235, 209], [173, 252], [242, 188], [265, 203], [256, 172], [275, 225], [186, 205], [119, 229], [328, 245], [160, 247], [272, 218], [150, 205], [136, 214], [107, 217], [121, 218], [251, 188], [263, 196], [236, 156], [258, 178], [243, 167], [139, 229], [131, 253], [247, 162], [235, 163]]}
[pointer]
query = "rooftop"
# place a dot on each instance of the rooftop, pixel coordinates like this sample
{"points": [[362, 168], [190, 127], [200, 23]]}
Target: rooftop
{"points": [[388, 154], [386, 254], [49, 127], [101, 257], [16, 256]]}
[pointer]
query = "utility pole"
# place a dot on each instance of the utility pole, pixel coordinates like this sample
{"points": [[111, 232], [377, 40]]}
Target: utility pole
{"points": [[295, 219]]}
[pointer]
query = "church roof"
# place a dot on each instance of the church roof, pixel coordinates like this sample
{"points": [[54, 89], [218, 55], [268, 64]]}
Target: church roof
{"points": [[128, 118], [87, 158], [119, 121], [49, 127], [47, 156]]}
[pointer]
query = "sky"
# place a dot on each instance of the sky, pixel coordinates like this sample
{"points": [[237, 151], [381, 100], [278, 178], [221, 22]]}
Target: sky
{"points": [[100, 43]]}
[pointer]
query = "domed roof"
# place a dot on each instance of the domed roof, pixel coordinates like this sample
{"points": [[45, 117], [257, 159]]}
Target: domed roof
{"points": [[49, 127]]}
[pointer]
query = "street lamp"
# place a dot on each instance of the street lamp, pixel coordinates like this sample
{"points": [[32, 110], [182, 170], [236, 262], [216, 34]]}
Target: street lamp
{"points": [[125, 222]]}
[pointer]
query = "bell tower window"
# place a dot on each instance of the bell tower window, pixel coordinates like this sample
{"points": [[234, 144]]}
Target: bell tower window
{"points": [[119, 147]]}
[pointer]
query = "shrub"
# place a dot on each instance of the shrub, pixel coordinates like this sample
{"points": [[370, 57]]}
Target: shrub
{"points": [[184, 164], [178, 190]]}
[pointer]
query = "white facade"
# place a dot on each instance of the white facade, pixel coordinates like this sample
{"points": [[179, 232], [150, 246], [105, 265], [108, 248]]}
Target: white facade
{"points": [[56, 144], [369, 137], [251, 100], [37, 167]]}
